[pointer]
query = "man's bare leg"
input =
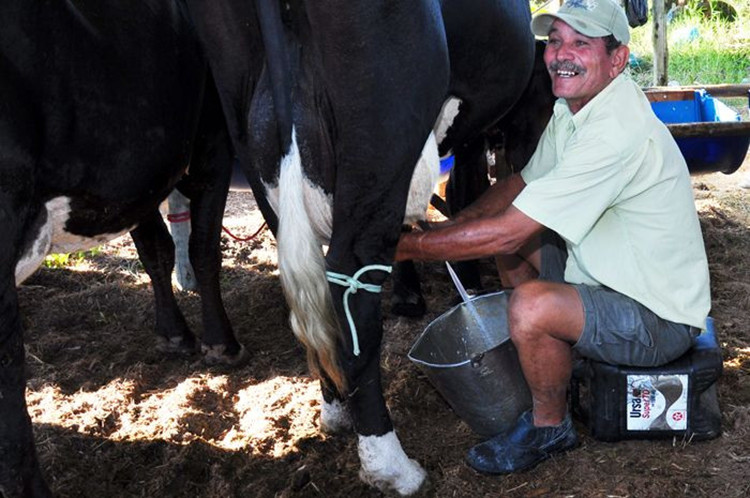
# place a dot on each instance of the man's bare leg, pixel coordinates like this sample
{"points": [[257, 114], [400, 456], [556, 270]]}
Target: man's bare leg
{"points": [[515, 269], [545, 319]]}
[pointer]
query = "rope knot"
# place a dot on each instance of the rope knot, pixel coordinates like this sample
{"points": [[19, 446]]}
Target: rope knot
{"points": [[353, 285]]}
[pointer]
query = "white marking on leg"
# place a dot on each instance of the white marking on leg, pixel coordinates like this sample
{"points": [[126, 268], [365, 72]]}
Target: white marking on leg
{"points": [[177, 204], [445, 120], [53, 238], [386, 466], [423, 182], [334, 417]]}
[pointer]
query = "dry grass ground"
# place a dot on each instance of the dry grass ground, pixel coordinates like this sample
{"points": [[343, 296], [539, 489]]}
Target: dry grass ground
{"points": [[114, 418]]}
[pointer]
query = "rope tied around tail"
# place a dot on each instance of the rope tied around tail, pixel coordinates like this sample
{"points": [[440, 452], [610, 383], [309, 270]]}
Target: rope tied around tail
{"points": [[354, 285]]}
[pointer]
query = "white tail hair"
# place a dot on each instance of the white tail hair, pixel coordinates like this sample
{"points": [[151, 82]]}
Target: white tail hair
{"points": [[303, 273]]}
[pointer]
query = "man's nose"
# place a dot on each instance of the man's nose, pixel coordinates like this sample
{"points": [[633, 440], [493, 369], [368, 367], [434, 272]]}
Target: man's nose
{"points": [[564, 52]]}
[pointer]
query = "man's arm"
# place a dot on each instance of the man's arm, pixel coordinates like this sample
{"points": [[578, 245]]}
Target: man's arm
{"points": [[493, 201], [502, 233]]}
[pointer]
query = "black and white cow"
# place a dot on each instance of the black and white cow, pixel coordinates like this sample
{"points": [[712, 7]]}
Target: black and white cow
{"points": [[333, 127], [102, 106]]}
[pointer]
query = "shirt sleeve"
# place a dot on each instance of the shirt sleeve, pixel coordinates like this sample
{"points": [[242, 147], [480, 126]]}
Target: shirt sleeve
{"points": [[585, 181], [544, 156]]}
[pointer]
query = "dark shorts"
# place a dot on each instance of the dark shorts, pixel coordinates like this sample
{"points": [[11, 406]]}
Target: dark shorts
{"points": [[617, 329]]}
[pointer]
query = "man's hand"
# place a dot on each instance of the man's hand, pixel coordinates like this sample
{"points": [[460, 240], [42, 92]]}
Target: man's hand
{"points": [[476, 238]]}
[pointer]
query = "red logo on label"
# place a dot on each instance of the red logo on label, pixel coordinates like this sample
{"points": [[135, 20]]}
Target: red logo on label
{"points": [[677, 416]]}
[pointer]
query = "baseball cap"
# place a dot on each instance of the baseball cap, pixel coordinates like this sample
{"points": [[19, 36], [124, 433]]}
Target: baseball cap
{"points": [[594, 18]]}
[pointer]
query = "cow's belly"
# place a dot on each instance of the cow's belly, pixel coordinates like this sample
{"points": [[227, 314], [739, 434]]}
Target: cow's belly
{"points": [[319, 205], [53, 238]]}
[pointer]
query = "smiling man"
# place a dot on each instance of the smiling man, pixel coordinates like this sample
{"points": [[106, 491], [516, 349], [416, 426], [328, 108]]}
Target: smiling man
{"points": [[599, 231]]}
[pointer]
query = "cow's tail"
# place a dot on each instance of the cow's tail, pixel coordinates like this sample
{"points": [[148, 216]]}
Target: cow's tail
{"points": [[301, 261], [302, 271]]}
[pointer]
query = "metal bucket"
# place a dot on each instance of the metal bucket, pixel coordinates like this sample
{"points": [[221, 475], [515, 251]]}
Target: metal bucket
{"points": [[469, 358]]}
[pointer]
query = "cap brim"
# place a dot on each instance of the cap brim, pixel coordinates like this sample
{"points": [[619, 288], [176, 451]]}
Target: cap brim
{"points": [[542, 24]]}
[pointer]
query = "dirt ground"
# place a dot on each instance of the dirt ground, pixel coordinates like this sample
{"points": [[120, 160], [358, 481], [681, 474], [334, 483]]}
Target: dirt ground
{"points": [[114, 418]]}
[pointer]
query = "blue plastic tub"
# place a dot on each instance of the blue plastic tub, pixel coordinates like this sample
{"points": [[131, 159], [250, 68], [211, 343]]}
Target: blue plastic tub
{"points": [[704, 154]]}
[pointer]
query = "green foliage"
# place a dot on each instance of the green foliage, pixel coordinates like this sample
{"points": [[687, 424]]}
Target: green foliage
{"points": [[63, 260], [541, 4], [702, 49], [60, 260]]}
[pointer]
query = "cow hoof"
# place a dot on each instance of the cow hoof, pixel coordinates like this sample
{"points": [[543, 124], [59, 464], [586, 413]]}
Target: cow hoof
{"points": [[175, 345], [217, 355], [386, 466], [408, 304], [334, 417]]}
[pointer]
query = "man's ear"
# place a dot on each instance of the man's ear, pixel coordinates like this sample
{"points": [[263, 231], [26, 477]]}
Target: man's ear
{"points": [[619, 58]]}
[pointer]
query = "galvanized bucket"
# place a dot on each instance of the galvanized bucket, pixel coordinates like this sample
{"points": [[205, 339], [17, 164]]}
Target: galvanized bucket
{"points": [[468, 356]]}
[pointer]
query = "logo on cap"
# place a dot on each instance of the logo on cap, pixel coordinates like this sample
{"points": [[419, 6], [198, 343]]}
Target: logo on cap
{"points": [[581, 4]]}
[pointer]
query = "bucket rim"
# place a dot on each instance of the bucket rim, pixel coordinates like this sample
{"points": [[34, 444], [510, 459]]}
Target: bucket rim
{"points": [[445, 313], [438, 365], [478, 297]]}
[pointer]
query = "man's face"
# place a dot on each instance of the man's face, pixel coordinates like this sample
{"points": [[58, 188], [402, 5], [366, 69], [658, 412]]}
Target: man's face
{"points": [[579, 66]]}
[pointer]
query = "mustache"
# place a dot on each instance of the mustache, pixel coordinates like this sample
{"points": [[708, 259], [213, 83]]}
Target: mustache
{"points": [[566, 66]]}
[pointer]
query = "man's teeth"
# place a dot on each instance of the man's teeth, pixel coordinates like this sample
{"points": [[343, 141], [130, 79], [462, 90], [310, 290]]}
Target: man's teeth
{"points": [[566, 74]]}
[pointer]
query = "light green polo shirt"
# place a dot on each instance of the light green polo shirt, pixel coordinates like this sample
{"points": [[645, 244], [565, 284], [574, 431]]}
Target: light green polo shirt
{"points": [[613, 183]]}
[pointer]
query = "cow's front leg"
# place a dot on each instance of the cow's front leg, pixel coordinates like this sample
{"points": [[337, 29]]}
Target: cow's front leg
{"points": [[207, 186], [384, 464], [20, 475], [156, 251], [219, 344]]}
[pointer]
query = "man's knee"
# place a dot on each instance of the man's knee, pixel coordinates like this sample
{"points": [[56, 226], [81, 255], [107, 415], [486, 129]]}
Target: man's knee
{"points": [[538, 308], [526, 308]]}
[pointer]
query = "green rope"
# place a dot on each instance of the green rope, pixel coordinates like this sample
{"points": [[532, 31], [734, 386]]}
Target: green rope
{"points": [[354, 285]]}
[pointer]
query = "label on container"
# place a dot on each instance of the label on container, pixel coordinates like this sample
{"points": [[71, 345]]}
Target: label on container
{"points": [[657, 402]]}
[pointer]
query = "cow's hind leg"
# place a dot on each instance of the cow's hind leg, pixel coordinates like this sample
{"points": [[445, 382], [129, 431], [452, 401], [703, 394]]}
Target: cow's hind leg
{"points": [[179, 226], [384, 464], [156, 250], [334, 411]]}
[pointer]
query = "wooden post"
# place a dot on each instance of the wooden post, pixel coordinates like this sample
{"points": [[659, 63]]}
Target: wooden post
{"points": [[659, 38], [723, 90]]}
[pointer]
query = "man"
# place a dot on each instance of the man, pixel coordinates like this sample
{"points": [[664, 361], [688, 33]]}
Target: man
{"points": [[604, 215]]}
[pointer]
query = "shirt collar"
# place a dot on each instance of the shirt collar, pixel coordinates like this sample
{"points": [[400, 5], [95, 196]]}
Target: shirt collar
{"points": [[561, 109]]}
